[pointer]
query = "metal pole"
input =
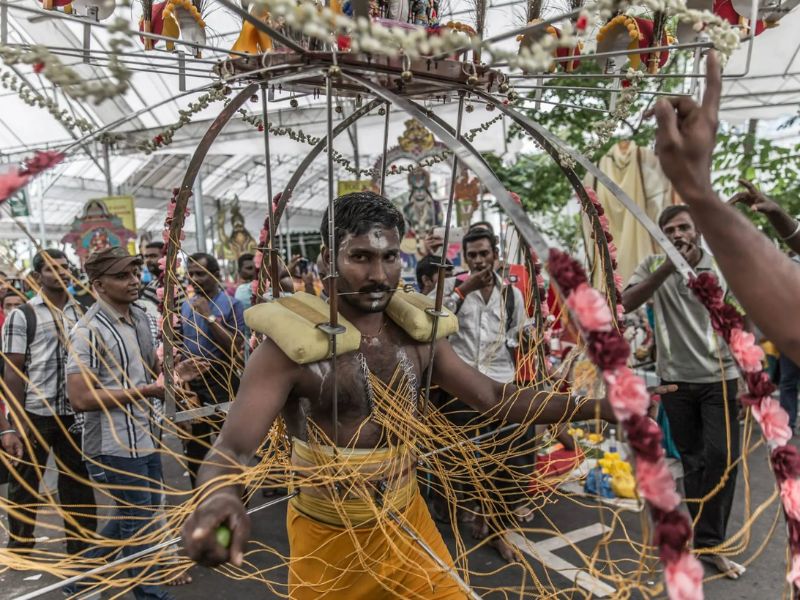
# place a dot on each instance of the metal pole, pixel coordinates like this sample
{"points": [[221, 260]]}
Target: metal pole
{"points": [[437, 310], [107, 169], [385, 147], [42, 233], [275, 287], [199, 215], [332, 274]]}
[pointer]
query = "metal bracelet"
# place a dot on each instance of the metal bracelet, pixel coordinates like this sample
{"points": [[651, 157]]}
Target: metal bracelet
{"points": [[5, 431], [794, 233]]}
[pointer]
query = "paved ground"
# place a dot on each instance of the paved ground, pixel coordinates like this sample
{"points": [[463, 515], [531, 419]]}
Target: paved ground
{"points": [[580, 520]]}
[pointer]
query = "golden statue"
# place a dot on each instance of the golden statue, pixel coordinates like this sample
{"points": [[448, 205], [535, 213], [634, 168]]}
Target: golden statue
{"points": [[239, 241], [467, 193], [416, 139]]}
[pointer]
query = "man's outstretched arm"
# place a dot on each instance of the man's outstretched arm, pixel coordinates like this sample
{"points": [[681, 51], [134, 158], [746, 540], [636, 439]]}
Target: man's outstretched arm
{"points": [[265, 386], [763, 279], [508, 402]]}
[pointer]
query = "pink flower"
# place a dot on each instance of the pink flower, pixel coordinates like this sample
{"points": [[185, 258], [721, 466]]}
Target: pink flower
{"points": [[794, 575], [160, 293], [254, 286], [603, 222], [171, 210], [162, 263], [590, 308], [656, 484], [618, 281], [744, 350], [43, 160], [257, 260], [11, 182], [620, 312], [627, 394], [684, 578], [790, 496], [165, 236], [774, 421], [160, 350], [612, 250]]}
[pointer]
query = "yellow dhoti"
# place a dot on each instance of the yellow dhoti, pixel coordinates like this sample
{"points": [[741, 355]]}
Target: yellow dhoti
{"points": [[370, 560]]}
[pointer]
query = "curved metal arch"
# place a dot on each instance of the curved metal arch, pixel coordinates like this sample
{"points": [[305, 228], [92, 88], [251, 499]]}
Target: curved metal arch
{"points": [[465, 153], [173, 246], [541, 135]]}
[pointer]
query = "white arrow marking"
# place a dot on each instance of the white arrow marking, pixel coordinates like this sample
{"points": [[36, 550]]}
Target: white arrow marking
{"points": [[543, 552]]}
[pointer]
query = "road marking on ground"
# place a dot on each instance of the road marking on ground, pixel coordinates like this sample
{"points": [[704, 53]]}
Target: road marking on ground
{"points": [[543, 552]]}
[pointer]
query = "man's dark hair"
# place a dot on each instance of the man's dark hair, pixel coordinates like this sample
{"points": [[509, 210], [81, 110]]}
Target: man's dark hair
{"points": [[429, 265], [211, 263], [670, 213], [359, 212], [481, 225], [479, 233], [243, 258], [154, 244], [39, 261]]}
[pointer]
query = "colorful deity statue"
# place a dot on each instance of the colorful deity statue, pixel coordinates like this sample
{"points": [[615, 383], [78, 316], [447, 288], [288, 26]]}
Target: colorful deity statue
{"points": [[467, 193], [421, 211]]}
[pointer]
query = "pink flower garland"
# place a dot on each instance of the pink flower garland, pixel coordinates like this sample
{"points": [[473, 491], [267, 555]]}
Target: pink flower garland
{"points": [[16, 178], [612, 248], [774, 421], [629, 399]]}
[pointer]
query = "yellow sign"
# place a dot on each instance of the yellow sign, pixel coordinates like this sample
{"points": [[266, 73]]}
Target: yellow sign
{"points": [[124, 207], [348, 186]]}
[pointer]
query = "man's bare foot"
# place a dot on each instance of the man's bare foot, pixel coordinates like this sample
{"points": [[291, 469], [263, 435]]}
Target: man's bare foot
{"points": [[724, 565], [480, 528], [525, 513], [507, 551], [181, 579]]}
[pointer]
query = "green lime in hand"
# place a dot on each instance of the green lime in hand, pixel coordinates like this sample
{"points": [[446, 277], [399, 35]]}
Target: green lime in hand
{"points": [[224, 536]]}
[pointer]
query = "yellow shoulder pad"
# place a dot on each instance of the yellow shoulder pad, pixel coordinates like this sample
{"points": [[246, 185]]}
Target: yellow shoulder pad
{"points": [[292, 323], [407, 309]]}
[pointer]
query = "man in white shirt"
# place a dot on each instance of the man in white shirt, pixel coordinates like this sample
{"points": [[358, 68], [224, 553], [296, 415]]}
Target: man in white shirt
{"points": [[491, 319]]}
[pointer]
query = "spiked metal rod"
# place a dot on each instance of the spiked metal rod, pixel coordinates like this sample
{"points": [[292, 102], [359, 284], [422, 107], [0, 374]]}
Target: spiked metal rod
{"points": [[385, 146], [275, 286], [437, 311]]}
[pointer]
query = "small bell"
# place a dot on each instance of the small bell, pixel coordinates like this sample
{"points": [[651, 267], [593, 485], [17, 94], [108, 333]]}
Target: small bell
{"points": [[406, 76], [334, 71], [294, 103], [472, 80]]}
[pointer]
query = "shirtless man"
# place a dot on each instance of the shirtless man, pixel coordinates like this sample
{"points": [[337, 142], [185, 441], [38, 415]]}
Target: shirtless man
{"points": [[368, 234]]}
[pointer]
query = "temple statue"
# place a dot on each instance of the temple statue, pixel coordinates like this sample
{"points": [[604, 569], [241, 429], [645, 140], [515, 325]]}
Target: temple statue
{"points": [[467, 194], [421, 211], [239, 241]]}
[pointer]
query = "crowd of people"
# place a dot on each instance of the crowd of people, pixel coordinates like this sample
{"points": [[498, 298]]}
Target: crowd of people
{"points": [[83, 383]]}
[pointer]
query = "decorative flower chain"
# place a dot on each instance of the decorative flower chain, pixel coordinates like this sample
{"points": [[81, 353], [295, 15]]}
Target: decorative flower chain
{"points": [[165, 137], [67, 78], [32, 98], [322, 23], [627, 393], [301, 137], [773, 419], [626, 100]]}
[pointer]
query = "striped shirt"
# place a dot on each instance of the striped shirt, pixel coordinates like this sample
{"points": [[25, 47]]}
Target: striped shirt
{"points": [[119, 352], [148, 298], [46, 387]]}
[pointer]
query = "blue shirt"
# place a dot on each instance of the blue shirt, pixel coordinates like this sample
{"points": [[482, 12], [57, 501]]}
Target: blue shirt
{"points": [[196, 329]]}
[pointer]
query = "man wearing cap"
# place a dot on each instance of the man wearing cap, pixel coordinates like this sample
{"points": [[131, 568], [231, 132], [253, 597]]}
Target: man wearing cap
{"points": [[111, 383]]}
